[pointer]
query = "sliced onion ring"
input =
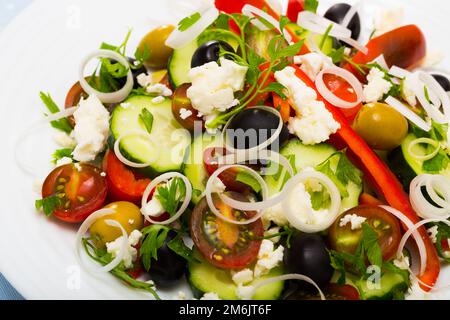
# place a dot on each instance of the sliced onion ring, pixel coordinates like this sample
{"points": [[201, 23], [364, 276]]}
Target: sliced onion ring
{"points": [[61, 114], [284, 277], [152, 185], [85, 227], [428, 141], [261, 146], [127, 162], [434, 88], [112, 97], [178, 39], [291, 214], [330, 96], [408, 114], [252, 12], [421, 205], [410, 226]]}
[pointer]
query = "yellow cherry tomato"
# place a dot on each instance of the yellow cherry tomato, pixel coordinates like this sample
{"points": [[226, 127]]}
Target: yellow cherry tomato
{"points": [[126, 213], [154, 43]]}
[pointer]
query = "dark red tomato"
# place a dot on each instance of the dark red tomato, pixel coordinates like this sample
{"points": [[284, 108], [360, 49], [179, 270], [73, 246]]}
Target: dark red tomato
{"points": [[81, 188], [73, 98], [123, 183], [235, 6], [180, 101], [343, 90], [344, 292], [344, 239], [294, 8], [223, 244], [228, 177]]}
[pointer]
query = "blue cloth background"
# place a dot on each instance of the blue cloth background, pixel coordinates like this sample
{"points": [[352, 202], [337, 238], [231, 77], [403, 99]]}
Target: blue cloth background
{"points": [[8, 10]]}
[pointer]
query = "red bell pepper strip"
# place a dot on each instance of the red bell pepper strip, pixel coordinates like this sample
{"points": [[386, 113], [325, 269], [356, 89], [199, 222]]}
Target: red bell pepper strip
{"points": [[404, 47], [294, 8], [283, 106], [382, 178], [367, 199]]}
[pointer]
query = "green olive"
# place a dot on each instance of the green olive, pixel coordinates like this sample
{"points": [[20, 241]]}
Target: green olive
{"points": [[154, 43], [381, 126]]}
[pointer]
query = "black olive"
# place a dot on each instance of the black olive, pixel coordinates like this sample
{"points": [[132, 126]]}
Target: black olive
{"points": [[253, 126], [443, 81], [135, 72], [209, 52], [169, 267], [337, 13], [308, 255]]}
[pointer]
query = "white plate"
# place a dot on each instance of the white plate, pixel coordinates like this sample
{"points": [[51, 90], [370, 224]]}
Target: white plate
{"points": [[41, 50]]}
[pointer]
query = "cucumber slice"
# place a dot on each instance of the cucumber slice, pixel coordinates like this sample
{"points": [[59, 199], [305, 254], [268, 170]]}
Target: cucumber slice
{"points": [[180, 64], [391, 286], [311, 156], [194, 169], [171, 140], [204, 277]]}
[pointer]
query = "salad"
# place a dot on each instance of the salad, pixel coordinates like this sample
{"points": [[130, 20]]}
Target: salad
{"points": [[257, 155]]}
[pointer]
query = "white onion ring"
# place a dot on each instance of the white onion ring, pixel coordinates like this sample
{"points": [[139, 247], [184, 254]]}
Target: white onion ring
{"points": [[381, 61], [399, 72], [61, 114], [421, 205], [124, 160], [428, 141], [178, 39], [261, 146], [275, 5], [152, 185], [251, 12], [289, 276], [240, 205], [330, 96], [435, 88], [333, 211], [355, 44], [85, 227], [350, 14], [111, 97], [410, 226], [408, 114]]}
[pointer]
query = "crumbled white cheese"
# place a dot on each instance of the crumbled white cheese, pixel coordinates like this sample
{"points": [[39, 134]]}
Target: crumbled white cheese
{"points": [[408, 91], [91, 130], [432, 233], [402, 263], [210, 296], [245, 292], [158, 99], [275, 214], [388, 20], [130, 221], [185, 113], [415, 292], [355, 221], [313, 123], [376, 87], [242, 277], [160, 90], [218, 186], [144, 79], [153, 208], [130, 255], [213, 86], [268, 258], [63, 140], [312, 63], [125, 105], [181, 295], [63, 161], [272, 231]]}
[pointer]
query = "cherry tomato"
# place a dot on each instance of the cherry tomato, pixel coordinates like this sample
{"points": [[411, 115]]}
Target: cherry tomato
{"points": [[344, 239], [180, 101], [81, 188], [332, 291], [73, 98], [123, 183], [223, 244], [228, 177], [235, 6]]}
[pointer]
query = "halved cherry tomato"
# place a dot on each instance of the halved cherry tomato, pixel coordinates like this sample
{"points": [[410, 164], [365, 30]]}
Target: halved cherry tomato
{"points": [[228, 177], [81, 188], [223, 244], [73, 98], [294, 8], [235, 6], [123, 183], [180, 101], [344, 239], [344, 292]]}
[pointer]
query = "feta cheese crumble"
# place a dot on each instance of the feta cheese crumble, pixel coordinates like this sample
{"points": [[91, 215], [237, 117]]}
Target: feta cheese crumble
{"points": [[63, 140], [408, 91], [91, 130], [153, 208], [313, 63], [245, 292], [355, 221], [158, 99], [63, 161], [271, 232], [144, 79], [210, 296], [242, 277], [268, 258], [388, 20], [376, 87], [185, 113], [160, 90], [432, 233], [213, 86], [314, 123], [402, 263], [275, 214], [130, 255]]}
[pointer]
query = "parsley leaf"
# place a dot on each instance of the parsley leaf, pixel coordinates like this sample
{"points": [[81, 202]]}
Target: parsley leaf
{"points": [[436, 164], [147, 119], [248, 179], [153, 239], [277, 88], [188, 22], [171, 194], [337, 55], [61, 124], [178, 246], [48, 204], [62, 153], [284, 21], [346, 171], [325, 36], [311, 5], [443, 234]]}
